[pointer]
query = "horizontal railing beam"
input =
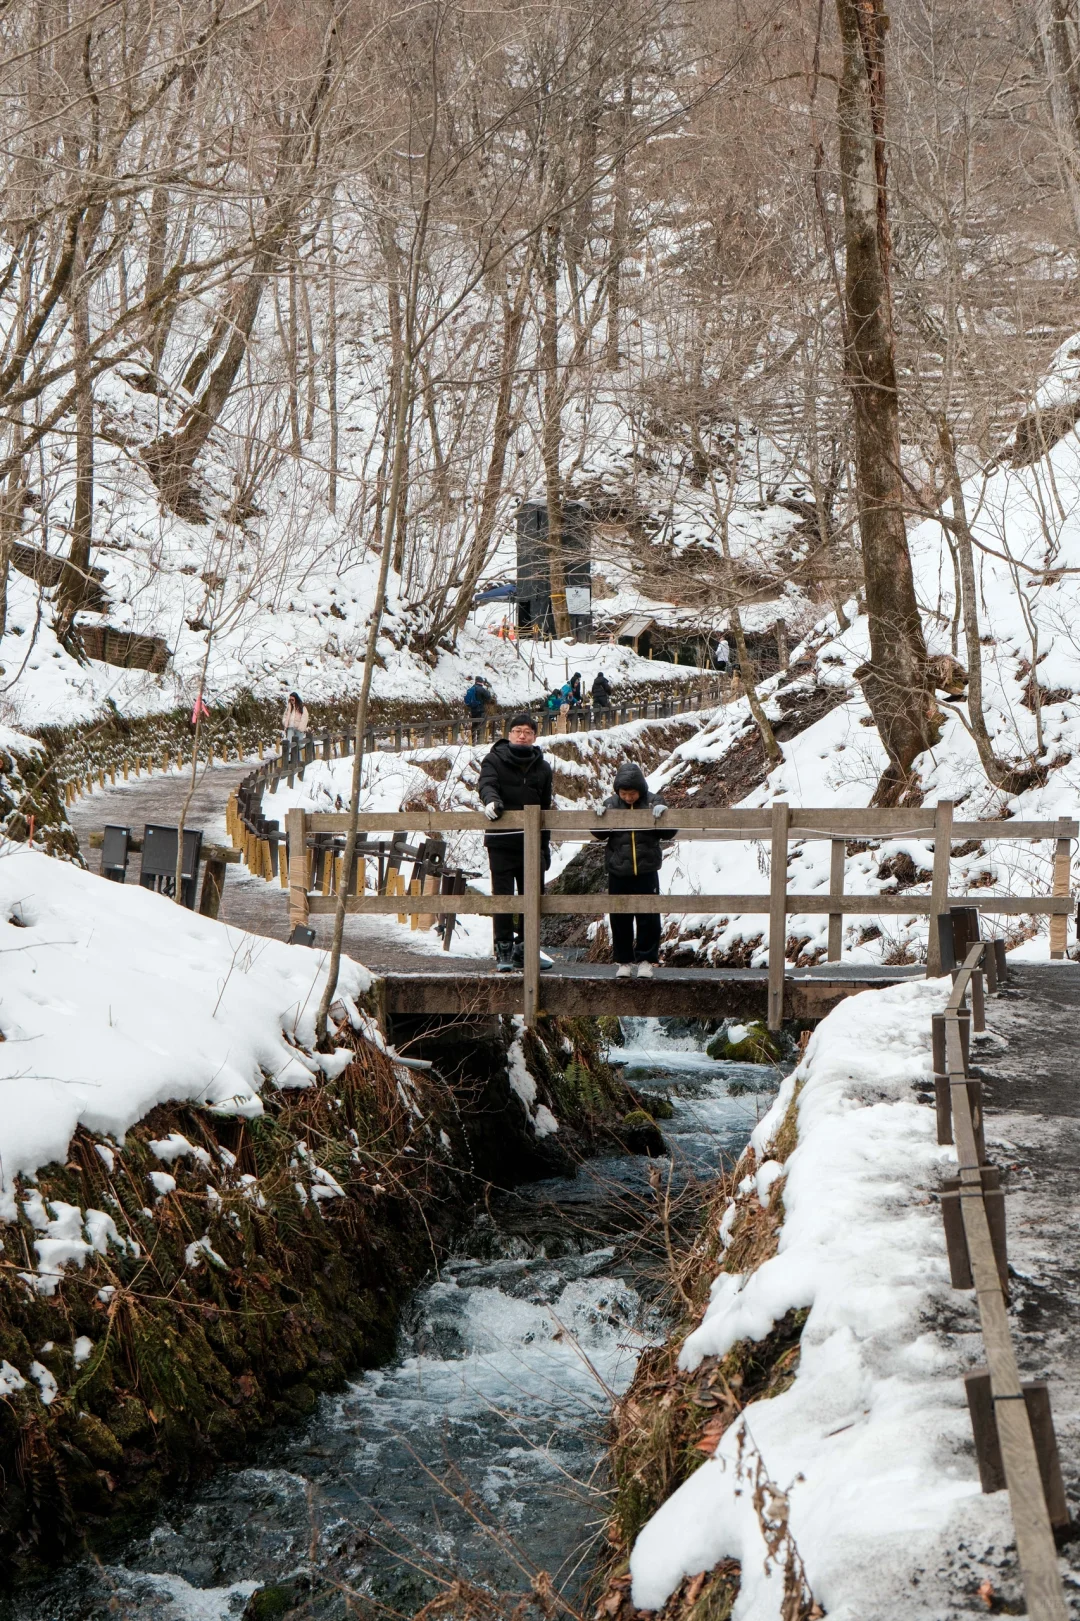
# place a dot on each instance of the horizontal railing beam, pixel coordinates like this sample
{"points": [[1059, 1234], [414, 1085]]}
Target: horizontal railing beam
{"points": [[676, 905], [747, 824]]}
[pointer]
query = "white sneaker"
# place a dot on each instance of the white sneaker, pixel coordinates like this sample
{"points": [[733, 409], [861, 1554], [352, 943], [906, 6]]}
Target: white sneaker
{"points": [[645, 970], [624, 971]]}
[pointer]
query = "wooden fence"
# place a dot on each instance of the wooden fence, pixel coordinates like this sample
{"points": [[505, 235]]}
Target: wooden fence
{"points": [[398, 737], [1014, 1434], [777, 826]]}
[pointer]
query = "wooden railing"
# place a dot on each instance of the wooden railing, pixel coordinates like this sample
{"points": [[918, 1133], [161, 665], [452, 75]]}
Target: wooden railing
{"points": [[778, 825], [1014, 1434], [688, 697]]}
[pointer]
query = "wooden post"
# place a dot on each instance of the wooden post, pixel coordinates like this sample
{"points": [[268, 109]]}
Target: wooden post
{"points": [[427, 920], [212, 885], [778, 912], [1062, 866], [939, 887], [988, 1447], [978, 1001], [837, 856], [531, 908], [296, 828]]}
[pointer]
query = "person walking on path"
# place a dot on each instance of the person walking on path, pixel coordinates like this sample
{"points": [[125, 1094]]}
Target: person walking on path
{"points": [[513, 774], [479, 698], [601, 691], [722, 656], [633, 867], [294, 722]]}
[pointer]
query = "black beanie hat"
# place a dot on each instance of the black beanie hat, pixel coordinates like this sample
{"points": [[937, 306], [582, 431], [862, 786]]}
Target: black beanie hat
{"points": [[521, 720]]}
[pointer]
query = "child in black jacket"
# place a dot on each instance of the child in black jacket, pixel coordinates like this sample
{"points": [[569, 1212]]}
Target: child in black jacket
{"points": [[633, 861]]}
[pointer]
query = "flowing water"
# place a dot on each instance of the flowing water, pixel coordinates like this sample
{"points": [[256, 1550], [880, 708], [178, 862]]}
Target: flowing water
{"points": [[479, 1452]]}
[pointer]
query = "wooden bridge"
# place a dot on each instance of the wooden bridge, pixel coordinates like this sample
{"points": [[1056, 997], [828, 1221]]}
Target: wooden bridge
{"points": [[778, 992]]}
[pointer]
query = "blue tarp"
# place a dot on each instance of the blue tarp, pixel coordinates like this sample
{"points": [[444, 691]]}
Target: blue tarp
{"points": [[496, 593]]}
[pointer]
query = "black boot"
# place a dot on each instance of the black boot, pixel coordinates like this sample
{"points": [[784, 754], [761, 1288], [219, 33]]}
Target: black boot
{"points": [[519, 954], [504, 957]]}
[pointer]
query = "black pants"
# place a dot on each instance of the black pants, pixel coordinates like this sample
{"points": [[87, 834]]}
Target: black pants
{"points": [[507, 863], [623, 924]]}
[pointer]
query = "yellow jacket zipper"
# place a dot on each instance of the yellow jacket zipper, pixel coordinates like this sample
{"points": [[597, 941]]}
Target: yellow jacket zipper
{"points": [[633, 850]]}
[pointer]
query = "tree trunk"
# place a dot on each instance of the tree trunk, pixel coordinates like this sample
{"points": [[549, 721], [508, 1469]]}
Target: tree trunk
{"points": [[620, 223], [1008, 778], [502, 432], [1059, 67], [73, 581], [551, 432], [331, 353], [172, 458], [773, 752], [895, 681]]}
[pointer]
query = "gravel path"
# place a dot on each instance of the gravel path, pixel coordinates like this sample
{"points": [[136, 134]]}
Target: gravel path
{"points": [[248, 903]]}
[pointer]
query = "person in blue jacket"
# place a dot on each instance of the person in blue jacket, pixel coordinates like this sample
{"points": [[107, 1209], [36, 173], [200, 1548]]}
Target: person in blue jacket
{"points": [[478, 697]]}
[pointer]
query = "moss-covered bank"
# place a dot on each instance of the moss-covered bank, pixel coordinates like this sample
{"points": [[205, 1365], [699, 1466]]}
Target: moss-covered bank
{"points": [[31, 804], [232, 1269]]}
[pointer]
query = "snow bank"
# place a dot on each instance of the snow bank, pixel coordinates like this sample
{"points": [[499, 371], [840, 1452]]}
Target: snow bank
{"points": [[872, 1442], [113, 1000]]}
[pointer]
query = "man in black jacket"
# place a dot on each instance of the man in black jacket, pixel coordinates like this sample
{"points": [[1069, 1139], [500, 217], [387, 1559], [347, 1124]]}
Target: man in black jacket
{"points": [[601, 691], [513, 774], [633, 868]]}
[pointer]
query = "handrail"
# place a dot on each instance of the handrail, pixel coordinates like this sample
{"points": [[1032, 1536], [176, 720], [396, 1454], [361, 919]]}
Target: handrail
{"points": [[780, 822], [1010, 1416]]}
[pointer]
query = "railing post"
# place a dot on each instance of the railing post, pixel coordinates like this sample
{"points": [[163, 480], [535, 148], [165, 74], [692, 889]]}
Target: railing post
{"points": [[778, 912], [531, 904], [939, 886], [296, 828], [837, 857], [1062, 865]]}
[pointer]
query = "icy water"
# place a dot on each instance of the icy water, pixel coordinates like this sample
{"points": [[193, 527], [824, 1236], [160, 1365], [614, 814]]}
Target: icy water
{"points": [[479, 1453]]}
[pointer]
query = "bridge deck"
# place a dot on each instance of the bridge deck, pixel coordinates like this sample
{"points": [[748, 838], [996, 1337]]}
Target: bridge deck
{"points": [[574, 989]]}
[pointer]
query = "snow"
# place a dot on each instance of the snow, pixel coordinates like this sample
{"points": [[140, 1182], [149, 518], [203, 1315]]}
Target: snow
{"points": [[11, 1379], [872, 1442], [114, 1000], [45, 1382]]}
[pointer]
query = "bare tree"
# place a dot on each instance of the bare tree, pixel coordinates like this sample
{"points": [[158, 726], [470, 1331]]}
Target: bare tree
{"points": [[895, 680]]}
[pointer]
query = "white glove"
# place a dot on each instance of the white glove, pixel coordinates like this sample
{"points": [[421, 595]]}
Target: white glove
{"points": [[658, 809], [601, 809], [493, 810]]}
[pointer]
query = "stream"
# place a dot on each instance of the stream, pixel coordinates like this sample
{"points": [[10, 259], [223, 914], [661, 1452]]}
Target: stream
{"points": [[479, 1453]]}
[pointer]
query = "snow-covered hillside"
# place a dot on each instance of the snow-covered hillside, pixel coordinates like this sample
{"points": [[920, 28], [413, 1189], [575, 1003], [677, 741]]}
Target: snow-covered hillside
{"points": [[115, 1000]]}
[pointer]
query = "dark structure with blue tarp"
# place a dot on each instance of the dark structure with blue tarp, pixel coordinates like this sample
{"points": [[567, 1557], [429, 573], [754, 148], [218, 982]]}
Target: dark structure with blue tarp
{"points": [[534, 573]]}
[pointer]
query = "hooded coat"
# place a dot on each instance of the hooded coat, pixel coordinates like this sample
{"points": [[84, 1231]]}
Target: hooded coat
{"points": [[632, 854], [516, 777]]}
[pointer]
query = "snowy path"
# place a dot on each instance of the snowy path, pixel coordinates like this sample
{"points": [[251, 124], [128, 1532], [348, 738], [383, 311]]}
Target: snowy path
{"points": [[247, 903], [1033, 1127]]}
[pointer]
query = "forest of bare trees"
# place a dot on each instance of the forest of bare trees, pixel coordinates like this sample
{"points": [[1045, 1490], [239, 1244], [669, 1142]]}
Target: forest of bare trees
{"points": [[394, 266]]}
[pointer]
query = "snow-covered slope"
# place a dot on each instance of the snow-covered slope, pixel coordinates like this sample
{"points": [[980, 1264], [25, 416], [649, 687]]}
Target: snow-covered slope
{"points": [[868, 1456], [115, 999]]}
